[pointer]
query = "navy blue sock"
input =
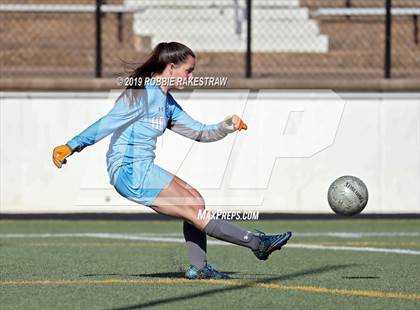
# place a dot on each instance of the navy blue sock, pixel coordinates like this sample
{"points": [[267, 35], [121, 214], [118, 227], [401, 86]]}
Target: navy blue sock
{"points": [[196, 242]]}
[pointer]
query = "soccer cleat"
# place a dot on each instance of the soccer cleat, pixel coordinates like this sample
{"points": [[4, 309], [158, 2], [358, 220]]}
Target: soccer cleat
{"points": [[207, 272], [270, 243]]}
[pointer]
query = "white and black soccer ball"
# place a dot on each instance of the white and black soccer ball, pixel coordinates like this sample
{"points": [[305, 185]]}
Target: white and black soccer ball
{"points": [[348, 195]]}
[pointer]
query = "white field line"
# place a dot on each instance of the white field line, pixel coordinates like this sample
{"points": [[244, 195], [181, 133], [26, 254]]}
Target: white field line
{"points": [[297, 234], [160, 238], [358, 234], [349, 248]]}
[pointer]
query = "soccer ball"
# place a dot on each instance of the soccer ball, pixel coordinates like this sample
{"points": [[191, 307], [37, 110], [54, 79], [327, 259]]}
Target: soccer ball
{"points": [[347, 195]]}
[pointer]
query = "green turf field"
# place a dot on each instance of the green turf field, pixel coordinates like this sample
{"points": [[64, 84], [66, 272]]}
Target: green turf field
{"points": [[134, 265]]}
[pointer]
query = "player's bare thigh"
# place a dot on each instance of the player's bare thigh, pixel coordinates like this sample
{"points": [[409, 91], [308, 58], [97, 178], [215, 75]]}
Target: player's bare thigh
{"points": [[199, 199], [180, 200]]}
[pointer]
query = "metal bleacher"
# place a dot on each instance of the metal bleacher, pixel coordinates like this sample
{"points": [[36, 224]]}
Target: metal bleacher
{"points": [[195, 24]]}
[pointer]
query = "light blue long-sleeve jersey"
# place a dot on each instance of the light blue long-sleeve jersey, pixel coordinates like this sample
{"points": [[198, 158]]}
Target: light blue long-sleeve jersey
{"points": [[136, 126]]}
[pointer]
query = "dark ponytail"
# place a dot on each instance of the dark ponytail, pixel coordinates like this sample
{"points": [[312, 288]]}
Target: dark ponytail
{"points": [[163, 54]]}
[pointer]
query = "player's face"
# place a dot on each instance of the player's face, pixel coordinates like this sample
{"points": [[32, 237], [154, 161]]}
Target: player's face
{"points": [[184, 70]]}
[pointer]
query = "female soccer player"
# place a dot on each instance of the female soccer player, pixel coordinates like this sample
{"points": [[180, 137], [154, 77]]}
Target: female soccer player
{"points": [[139, 116]]}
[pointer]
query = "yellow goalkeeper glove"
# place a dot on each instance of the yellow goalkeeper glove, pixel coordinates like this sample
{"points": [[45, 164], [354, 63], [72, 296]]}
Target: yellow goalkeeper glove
{"points": [[60, 154]]}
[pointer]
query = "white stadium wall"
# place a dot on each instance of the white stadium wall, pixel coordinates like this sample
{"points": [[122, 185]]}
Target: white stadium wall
{"points": [[296, 145]]}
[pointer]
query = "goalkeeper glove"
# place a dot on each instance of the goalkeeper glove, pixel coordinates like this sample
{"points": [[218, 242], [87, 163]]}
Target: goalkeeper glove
{"points": [[233, 122], [60, 154]]}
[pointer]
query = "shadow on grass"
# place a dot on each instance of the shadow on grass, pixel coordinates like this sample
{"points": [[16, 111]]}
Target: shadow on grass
{"points": [[167, 274], [101, 274], [170, 275], [360, 277], [223, 289]]}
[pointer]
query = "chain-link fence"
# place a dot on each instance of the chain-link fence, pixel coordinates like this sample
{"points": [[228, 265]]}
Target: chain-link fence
{"points": [[288, 39]]}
